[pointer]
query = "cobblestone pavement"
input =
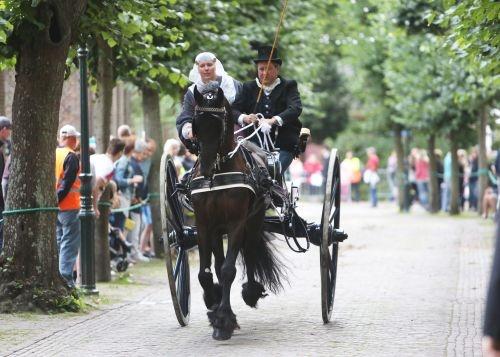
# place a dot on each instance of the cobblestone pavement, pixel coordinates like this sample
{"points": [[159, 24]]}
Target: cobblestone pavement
{"points": [[408, 285]]}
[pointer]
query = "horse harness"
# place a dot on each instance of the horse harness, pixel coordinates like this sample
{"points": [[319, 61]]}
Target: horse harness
{"points": [[256, 180], [211, 110], [259, 179]]}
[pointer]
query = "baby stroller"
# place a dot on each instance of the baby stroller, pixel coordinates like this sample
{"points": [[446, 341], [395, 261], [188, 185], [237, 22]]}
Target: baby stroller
{"points": [[118, 250]]}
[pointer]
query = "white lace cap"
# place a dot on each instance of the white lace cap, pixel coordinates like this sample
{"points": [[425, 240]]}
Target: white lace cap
{"points": [[194, 74]]}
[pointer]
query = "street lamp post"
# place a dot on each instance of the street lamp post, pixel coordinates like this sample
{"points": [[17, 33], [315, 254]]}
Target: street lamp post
{"points": [[87, 215]]}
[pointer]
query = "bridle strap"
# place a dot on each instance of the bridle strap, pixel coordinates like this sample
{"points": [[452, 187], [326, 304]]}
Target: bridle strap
{"points": [[209, 109]]}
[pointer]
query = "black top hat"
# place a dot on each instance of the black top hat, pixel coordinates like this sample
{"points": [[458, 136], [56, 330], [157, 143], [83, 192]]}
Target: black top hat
{"points": [[264, 52]]}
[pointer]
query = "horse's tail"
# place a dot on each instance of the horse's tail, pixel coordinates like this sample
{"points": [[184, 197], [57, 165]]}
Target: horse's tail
{"points": [[258, 251]]}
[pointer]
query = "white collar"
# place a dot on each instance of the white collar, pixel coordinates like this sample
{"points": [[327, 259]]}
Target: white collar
{"points": [[268, 89]]}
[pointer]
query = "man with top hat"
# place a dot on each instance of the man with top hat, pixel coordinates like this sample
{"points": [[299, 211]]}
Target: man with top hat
{"points": [[68, 196], [277, 99]]}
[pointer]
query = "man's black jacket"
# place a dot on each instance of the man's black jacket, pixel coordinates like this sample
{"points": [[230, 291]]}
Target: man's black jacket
{"points": [[283, 101]]}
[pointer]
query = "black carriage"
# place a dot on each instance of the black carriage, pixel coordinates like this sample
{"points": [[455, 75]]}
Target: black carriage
{"points": [[180, 238]]}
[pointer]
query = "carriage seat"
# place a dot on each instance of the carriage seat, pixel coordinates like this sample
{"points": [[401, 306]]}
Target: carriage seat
{"points": [[305, 135]]}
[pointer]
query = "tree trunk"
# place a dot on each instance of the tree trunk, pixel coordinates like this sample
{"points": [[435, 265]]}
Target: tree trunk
{"points": [[152, 125], [433, 178], [29, 274], [104, 102], [2, 93], [483, 159], [102, 260], [400, 174], [455, 189], [127, 116]]}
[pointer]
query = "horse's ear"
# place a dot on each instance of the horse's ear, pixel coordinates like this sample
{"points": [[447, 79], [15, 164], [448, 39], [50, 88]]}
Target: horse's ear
{"points": [[220, 97], [198, 98]]}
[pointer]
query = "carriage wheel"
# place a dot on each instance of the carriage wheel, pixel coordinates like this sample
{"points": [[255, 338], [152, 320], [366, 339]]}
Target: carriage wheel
{"points": [[176, 258], [330, 219]]}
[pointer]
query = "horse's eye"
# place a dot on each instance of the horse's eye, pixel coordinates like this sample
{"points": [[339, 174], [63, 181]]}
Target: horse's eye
{"points": [[210, 96]]}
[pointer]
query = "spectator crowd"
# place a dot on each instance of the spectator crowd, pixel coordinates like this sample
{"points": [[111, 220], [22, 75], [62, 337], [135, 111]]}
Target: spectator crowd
{"points": [[366, 177], [123, 169], [417, 178]]}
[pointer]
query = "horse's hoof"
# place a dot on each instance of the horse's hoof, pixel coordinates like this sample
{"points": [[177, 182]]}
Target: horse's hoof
{"points": [[221, 335]]}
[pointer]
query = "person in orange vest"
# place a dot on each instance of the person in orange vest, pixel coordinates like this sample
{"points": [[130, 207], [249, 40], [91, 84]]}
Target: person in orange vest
{"points": [[68, 197], [355, 167]]}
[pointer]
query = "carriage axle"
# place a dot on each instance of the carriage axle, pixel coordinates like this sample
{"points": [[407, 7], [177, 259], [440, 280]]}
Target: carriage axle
{"points": [[189, 237], [315, 233]]}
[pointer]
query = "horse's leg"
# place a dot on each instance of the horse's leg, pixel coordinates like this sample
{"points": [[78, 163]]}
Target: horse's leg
{"points": [[218, 250], [223, 319], [205, 276]]}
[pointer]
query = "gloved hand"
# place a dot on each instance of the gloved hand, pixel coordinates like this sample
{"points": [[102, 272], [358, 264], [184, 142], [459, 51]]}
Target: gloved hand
{"points": [[264, 125], [187, 131]]}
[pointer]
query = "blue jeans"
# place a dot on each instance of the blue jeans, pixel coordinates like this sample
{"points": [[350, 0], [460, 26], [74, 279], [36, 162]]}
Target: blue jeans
{"points": [[423, 193], [68, 242], [286, 158], [147, 218], [445, 196], [355, 192], [373, 196], [473, 194]]}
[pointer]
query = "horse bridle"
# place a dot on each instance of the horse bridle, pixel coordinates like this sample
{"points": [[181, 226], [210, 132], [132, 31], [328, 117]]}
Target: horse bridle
{"points": [[214, 110]]}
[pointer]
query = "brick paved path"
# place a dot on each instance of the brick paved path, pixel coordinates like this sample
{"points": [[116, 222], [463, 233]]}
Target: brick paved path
{"points": [[408, 285]]}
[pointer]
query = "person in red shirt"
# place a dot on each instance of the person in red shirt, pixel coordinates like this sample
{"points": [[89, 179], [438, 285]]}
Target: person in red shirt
{"points": [[314, 170], [422, 175], [370, 175]]}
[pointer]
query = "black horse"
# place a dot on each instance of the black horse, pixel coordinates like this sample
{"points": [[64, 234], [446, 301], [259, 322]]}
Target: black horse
{"points": [[237, 212]]}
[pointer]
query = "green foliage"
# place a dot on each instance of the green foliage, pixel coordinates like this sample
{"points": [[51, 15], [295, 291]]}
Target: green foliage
{"points": [[356, 139], [370, 63], [71, 302], [143, 36], [124, 278], [7, 58], [474, 29], [312, 59], [228, 28], [402, 71]]}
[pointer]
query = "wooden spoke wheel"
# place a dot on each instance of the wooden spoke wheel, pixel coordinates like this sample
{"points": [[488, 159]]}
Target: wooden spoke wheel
{"points": [[329, 248], [176, 256]]}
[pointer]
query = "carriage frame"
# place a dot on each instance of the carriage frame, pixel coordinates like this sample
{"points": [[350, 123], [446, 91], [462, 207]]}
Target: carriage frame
{"points": [[179, 238]]}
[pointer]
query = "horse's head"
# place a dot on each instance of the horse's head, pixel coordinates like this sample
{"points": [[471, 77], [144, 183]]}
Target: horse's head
{"points": [[210, 126]]}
